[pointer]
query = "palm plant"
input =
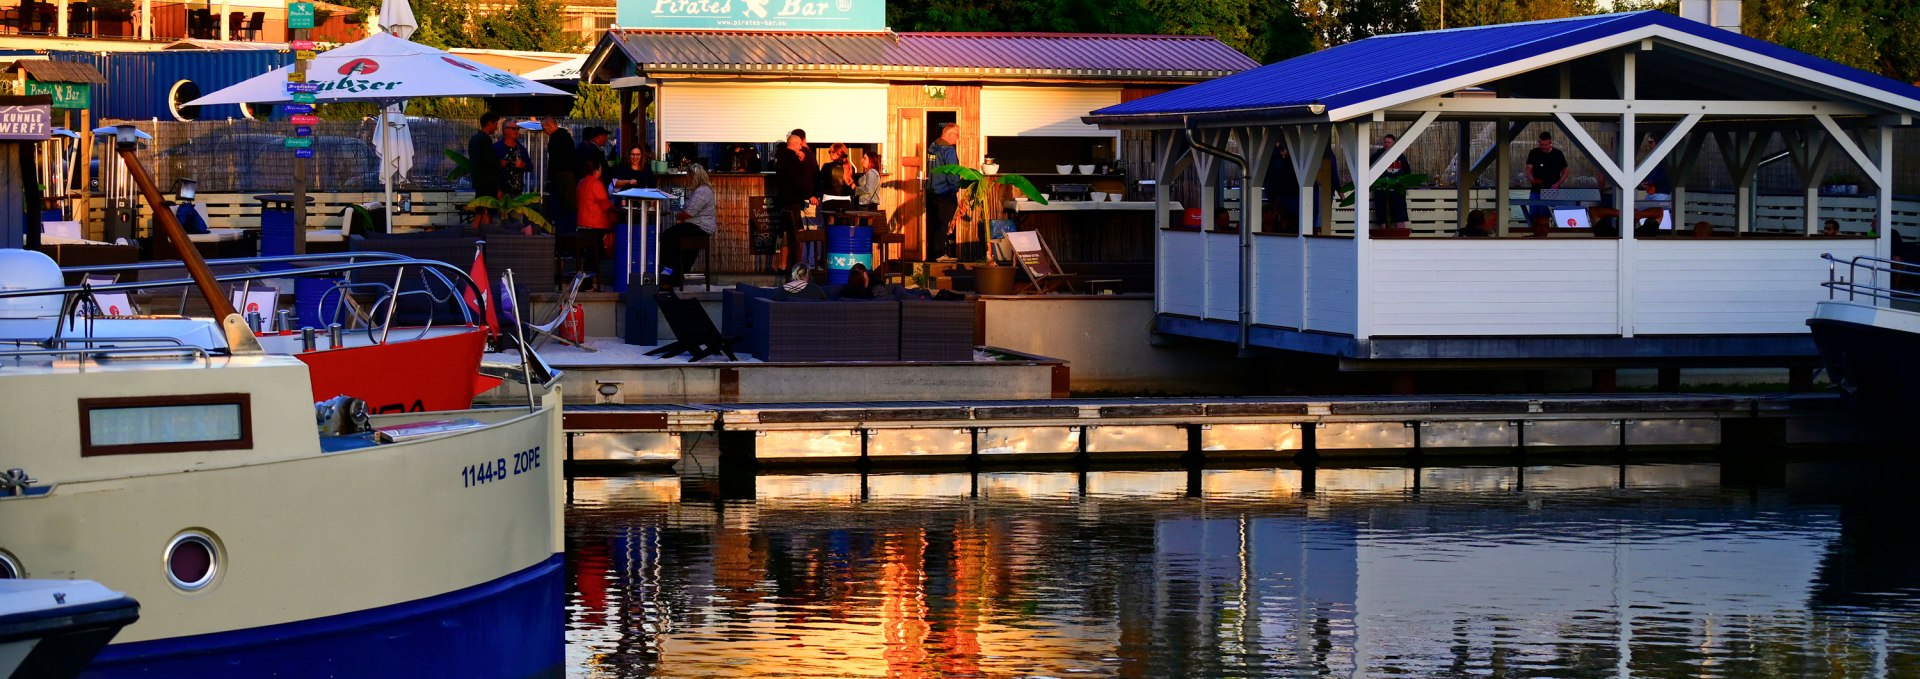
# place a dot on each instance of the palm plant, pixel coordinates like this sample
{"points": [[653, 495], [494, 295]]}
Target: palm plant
{"points": [[973, 195], [461, 165], [524, 206], [1398, 184]]}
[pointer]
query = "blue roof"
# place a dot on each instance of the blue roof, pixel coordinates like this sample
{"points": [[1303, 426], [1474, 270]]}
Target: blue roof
{"points": [[1382, 65]]}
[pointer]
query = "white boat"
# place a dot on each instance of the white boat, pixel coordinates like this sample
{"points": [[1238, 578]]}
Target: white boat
{"points": [[51, 629], [1868, 333], [265, 534]]}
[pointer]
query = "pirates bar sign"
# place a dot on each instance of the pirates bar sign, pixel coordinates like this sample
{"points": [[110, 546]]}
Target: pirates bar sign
{"points": [[31, 122]]}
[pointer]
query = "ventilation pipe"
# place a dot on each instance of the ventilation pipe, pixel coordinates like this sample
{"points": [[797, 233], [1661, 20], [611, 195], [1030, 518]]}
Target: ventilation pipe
{"points": [[1246, 234], [1716, 13]]}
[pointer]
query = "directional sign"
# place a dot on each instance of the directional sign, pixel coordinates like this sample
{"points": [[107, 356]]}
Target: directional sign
{"points": [[300, 142], [300, 15], [303, 55], [297, 109], [306, 120], [302, 88], [298, 45], [302, 131], [302, 153], [296, 76], [307, 98]]}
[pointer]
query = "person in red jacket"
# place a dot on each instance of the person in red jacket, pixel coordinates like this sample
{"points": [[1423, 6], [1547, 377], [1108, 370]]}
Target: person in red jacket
{"points": [[595, 218]]}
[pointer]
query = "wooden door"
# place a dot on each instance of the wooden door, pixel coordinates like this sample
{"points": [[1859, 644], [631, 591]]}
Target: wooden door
{"points": [[908, 166]]}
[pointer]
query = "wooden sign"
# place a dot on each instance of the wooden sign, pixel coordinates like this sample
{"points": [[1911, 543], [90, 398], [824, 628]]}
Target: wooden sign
{"points": [[300, 142], [306, 120], [303, 55], [296, 76], [65, 95], [300, 15], [300, 45], [305, 98]]}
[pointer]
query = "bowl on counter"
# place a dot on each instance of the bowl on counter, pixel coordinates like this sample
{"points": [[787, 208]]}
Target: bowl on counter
{"points": [[1099, 196], [1115, 197], [1063, 169], [1086, 169], [990, 168]]}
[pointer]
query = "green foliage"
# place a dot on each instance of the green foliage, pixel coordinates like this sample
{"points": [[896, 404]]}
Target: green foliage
{"points": [[461, 165], [973, 189], [1399, 184], [1876, 35], [524, 207], [596, 102]]}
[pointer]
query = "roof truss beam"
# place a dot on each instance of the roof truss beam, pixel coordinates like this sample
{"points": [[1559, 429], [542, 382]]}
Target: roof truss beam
{"points": [[1614, 107]]}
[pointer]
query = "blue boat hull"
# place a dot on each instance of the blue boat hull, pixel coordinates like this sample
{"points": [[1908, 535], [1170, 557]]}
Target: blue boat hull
{"points": [[512, 627]]}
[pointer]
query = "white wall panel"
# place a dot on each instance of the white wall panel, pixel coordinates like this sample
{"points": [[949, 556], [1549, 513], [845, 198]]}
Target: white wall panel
{"points": [[1332, 285], [1008, 111], [1494, 287], [1276, 281], [1183, 270], [765, 112], [1724, 287], [1223, 276]]}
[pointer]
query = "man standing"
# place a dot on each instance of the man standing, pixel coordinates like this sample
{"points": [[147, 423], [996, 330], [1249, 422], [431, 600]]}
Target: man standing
{"points": [[1546, 169], [943, 193], [513, 161], [593, 151], [563, 175], [482, 162], [795, 189]]}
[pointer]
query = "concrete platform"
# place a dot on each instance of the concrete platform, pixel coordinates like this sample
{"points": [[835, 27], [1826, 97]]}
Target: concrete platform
{"points": [[1022, 431]]}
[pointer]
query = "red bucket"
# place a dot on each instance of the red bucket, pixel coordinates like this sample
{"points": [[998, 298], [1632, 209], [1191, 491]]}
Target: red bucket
{"points": [[1192, 218]]}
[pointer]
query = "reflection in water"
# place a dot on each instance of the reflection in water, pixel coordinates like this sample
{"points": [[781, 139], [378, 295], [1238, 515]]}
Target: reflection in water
{"points": [[1643, 570]]}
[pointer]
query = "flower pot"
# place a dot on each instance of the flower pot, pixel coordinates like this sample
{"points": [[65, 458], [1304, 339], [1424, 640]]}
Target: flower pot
{"points": [[993, 279]]}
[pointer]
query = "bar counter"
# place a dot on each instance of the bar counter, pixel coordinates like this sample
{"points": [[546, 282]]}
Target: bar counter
{"points": [[733, 195]]}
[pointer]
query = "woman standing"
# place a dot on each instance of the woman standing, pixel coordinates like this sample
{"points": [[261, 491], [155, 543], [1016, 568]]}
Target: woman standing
{"points": [[866, 194], [696, 219], [595, 218]]}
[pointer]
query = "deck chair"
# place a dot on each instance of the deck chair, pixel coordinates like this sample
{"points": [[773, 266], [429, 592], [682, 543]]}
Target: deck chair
{"points": [[106, 303], [510, 308], [1043, 271], [693, 331]]}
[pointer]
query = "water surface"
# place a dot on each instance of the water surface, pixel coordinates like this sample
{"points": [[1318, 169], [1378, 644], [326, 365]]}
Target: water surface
{"points": [[1568, 570]]}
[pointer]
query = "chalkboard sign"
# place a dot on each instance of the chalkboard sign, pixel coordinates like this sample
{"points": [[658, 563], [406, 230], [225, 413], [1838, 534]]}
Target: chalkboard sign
{"points": [[761, 213]]}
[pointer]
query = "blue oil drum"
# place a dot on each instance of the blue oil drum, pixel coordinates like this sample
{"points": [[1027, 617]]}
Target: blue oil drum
{"points": [[847, 246], [308, 306]]}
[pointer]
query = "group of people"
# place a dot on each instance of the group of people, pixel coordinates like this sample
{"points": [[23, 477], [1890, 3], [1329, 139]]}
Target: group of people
{"points": [[580, 180], [836, 185]]}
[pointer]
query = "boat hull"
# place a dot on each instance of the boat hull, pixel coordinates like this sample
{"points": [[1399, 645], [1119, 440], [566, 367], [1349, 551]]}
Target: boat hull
{"points": [[510, 627], [1871, 353]]}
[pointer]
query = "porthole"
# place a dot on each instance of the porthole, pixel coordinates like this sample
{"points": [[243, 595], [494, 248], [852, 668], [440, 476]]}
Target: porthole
{"points": [[177, 98], [10, 567], [192, 561], [257, 111]]}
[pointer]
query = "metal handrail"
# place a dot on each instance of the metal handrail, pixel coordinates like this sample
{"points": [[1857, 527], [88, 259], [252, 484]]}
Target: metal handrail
{"points": [[98, 353], [1873, 267]]}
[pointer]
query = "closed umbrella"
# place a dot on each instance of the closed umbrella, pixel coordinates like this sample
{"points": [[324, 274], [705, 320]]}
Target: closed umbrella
{"points": [[386, 70], [391, 134]]}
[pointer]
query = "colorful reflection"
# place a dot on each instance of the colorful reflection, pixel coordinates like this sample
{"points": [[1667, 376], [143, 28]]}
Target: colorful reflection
{"points": [[1640, 570]]}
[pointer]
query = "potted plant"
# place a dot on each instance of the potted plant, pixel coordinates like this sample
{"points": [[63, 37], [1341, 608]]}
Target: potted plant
{"points": [[990, 277], [1400, 184], [521, 209]]}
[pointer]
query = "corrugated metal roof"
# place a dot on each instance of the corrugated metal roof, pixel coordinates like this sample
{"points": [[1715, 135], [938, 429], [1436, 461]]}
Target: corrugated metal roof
{"points": [[1156, 57], [1368, 69], [58, 71]]}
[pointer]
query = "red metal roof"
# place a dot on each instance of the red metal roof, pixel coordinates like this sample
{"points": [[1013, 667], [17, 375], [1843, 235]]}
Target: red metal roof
{"points": [[967, 55]]}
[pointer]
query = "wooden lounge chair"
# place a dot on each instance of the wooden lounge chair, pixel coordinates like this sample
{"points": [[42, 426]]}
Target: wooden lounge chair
{"points": [[509, 307], [693, 331], [1043, 271]]}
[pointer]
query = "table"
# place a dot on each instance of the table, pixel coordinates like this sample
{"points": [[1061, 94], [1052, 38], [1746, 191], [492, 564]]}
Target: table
{"points": [[647, 202]]}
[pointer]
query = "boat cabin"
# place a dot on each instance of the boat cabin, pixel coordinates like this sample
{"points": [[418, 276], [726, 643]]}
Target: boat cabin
{"points": [[1669, 123]]}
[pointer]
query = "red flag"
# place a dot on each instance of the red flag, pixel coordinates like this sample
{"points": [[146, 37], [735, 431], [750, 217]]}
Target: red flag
{"points": [[480, 280]]}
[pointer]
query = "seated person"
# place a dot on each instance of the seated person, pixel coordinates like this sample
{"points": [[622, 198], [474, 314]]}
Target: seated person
{"points": [[1830, 229], [1478, 225], [859, 285], [801, 285]]}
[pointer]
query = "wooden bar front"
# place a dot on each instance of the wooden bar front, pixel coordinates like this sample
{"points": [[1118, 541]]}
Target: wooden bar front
{"points": [[732, 249]]}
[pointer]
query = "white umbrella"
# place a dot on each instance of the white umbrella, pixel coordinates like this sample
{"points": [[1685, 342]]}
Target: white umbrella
{"points": [[384, 69], [391, 134]]}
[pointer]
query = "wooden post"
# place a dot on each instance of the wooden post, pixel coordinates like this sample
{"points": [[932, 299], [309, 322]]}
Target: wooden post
{"points": [[303, 166], [83, 199]]}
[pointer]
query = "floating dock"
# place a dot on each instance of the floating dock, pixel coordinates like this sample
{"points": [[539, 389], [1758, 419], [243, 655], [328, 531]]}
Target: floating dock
{"points": [[988, 432]]}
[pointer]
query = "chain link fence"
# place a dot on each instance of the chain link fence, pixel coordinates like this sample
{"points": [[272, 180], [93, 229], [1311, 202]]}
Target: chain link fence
{"points": [[246, 156]]}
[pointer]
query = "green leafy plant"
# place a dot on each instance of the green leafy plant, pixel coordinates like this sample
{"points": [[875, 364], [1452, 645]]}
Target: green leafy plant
{"points": [[974, 189], [1400, 184], [461, 166], [524, 206]]}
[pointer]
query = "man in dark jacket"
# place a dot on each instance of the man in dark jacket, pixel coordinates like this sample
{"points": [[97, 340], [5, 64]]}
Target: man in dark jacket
{"points": [[795, 188], [943, 195], [484, 164], [593, 150], [563, 174]]}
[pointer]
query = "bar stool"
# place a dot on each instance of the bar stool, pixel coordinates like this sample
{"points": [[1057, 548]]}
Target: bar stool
{"points": [[703, 245]]}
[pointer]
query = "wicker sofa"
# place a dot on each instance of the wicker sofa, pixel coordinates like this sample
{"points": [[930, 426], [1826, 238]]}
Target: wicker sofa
{"points": [[774, 328]]}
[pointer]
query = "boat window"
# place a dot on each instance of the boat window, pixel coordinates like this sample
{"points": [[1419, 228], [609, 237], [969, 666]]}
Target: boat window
{"points": [[165, 424]]}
